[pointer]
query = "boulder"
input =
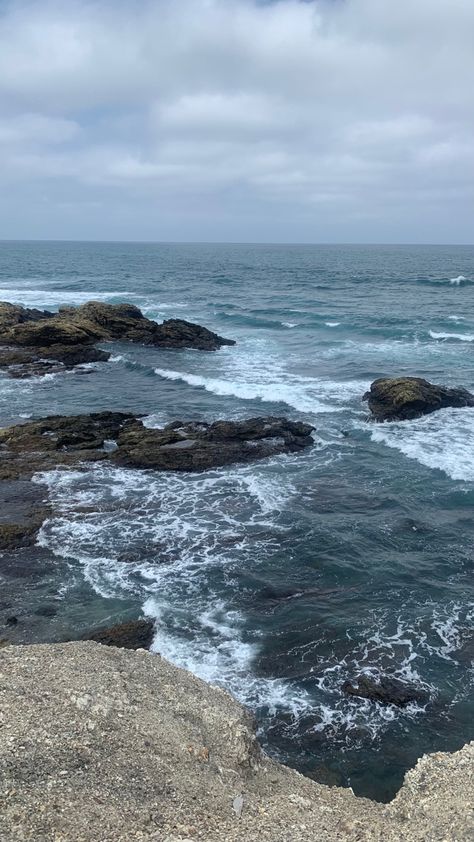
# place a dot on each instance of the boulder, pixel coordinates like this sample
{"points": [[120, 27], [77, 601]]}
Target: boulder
{"points": [[136, 634], [37, 342], [13, 314], [180, 446], [126, 322], [405, 398], [57, 440], [199, 446], [385, 690]]}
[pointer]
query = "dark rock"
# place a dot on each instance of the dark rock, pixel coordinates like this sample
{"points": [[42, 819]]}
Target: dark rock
{"points": [[57, 440], [181, 446], [385, 690], [11, 621], [36, 342], [136, 634], [46, 611], [14, 314], [405, 398], [199, 446], [126, 322]]}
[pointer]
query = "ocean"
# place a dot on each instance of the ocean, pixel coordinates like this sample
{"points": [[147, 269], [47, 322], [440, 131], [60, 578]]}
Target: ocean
{"points": [[282, 579]]}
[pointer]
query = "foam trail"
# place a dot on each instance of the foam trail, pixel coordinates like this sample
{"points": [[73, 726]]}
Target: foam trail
{"points": [[462, 337], [442, 441]]}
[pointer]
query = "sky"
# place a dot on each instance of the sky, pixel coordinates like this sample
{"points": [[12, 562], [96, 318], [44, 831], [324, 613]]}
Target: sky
{"points": [[237, 120]]}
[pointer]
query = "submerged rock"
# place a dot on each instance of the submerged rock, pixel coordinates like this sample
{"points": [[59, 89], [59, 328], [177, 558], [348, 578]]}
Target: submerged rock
{"points": [[22, 512], [405, 398], [387, 691], [181, 446], [136, 634]]}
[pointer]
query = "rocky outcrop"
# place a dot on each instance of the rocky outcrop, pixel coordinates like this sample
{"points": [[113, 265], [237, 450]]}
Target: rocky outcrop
{"points": [[404, 398], [99, 743], [135, 634], [37, 341], [385, 690], [124, 440], [198, 446]]}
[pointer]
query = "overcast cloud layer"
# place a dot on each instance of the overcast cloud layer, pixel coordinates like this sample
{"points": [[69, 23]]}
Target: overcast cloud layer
{"points": [[338, 120]]}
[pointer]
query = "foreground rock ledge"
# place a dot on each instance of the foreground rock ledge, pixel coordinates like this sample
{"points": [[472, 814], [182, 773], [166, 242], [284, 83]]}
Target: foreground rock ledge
{"points": [[405, 398], [122, 439], [106, 744], [37, 342]]}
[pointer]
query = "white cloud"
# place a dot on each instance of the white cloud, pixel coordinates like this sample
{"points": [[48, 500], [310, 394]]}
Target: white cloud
{"points": [[316, 113]]}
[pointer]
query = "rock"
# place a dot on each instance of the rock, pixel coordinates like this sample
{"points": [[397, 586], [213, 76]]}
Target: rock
{"points": [[57, 440], [14, 314], [404, 398], [136, 634], [126, 322], [36, 342], [184, 446], [181, 446], [387, 691], [100, 744]]}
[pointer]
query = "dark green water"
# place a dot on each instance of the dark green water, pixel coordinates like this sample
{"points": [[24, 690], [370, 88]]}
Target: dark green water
{"points": [[371, 531]]}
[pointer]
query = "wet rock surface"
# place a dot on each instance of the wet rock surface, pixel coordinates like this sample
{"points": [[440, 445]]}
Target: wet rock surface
{"points": [[136, 634], [385, 690], [37, 342], [68, 440], [100, 744], [405, 398]]}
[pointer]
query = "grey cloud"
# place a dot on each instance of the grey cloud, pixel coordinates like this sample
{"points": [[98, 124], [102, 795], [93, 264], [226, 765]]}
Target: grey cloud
{"points": [[232, 119]]}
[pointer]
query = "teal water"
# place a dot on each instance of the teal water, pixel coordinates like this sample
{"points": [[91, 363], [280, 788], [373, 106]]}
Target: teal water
{"points": [[282, 579]]}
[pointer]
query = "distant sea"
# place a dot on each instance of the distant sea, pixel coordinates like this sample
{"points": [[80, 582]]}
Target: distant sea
{"points": [[282, 579]]}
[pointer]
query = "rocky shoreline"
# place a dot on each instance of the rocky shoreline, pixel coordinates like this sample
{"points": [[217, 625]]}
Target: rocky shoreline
{"points": [[34, 343], [37, 342], [101, 744]]}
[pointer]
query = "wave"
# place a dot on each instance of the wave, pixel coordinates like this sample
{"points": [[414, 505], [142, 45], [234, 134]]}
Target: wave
{"points": [[332, 324], [460, 279], [178, 543], [441, 441], [54, 298], [305, 394], [461, 337]]}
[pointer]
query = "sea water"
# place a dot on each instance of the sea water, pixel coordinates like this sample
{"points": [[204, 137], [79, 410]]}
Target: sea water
{"points": [[278, 580]]}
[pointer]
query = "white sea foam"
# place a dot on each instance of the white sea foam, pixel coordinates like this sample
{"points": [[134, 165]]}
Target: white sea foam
{"points": [[266, 379], [462, 337], [460, 279], [332, 324], [456, 319], [442, 440], [290, 324], [45, 298]]}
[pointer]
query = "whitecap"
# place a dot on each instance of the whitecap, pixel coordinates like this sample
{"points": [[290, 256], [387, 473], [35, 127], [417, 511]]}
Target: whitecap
{"points": [[306, 394], [442, 441], [332, 324], [462, 337], [460, 279], [53, 298], [290, 324]]}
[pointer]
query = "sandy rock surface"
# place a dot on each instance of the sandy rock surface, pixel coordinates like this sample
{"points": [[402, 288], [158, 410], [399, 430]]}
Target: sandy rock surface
{"points": [[99, 744]]}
